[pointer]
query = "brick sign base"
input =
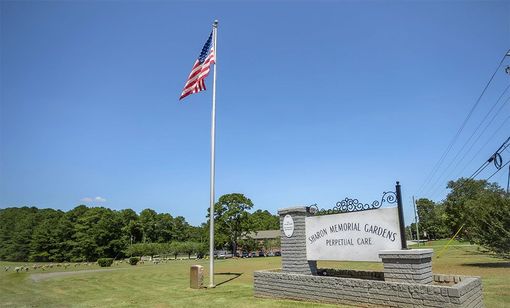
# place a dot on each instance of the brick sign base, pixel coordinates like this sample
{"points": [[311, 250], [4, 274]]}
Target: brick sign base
{"points": [[407, 280]]}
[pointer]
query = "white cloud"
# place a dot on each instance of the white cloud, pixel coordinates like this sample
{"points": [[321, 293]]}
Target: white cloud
{"points": [[95, 200], [99, 199]]}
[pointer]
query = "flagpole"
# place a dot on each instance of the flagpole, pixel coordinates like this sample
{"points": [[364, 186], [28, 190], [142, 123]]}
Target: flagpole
{"points": [[213, 137]]}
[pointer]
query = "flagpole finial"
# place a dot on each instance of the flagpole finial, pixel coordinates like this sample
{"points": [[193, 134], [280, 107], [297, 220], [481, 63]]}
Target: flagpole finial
{"points": [[215, 23]]}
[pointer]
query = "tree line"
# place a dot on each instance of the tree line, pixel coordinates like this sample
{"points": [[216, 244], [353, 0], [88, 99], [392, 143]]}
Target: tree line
{"points": [[88, 233], [475, 210]]}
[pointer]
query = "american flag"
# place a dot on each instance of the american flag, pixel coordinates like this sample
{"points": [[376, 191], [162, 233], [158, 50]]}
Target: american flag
{"points": [[200, 70]]}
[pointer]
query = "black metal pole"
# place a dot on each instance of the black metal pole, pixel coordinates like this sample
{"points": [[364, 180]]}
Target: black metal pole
{"points": [[401, 216], [508, 182]]}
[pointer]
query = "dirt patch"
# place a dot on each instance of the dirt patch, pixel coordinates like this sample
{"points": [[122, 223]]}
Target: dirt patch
{"points": [[44, 276]]}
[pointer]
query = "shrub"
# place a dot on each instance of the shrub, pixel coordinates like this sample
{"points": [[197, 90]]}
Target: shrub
{"points": [[105, 262], [133, 260]]}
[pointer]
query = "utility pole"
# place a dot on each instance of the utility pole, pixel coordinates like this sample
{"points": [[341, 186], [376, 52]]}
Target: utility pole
{"points": [[416, 222]]}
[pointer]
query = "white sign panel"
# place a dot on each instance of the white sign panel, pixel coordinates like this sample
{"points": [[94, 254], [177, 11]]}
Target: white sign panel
{"points": [[356, 236], [288, 225]]}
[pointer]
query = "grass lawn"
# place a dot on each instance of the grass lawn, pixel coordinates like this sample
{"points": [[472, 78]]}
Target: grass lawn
{"points": [[167, 284]]}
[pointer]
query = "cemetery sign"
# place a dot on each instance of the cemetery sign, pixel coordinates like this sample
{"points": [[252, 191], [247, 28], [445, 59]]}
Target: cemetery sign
{"points": [[355, 236]]}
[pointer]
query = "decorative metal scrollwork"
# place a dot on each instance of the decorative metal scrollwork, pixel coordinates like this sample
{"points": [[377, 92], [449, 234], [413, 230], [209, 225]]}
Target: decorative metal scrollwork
{"points": [[353, 205]]}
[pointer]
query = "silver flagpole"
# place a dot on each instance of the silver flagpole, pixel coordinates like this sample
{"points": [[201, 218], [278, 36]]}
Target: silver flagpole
{"points": [[213, 137]]}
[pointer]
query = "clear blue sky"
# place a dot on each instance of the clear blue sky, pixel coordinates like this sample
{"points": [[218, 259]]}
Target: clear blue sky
{"points": [[316, 101]]}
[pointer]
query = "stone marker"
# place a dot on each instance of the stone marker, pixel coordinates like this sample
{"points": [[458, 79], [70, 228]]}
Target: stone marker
{"points": [[196, 274]]}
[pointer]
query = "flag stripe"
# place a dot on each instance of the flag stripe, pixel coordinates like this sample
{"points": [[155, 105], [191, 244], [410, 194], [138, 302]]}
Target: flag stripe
{"points": [[200, 70]]}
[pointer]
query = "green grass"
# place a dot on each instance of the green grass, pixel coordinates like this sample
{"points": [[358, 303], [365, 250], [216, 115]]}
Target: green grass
{"points": [[167, 284]]}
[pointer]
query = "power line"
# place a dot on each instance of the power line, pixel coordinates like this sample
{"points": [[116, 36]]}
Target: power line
{"points": [[498, 163], [438, 164], [498, 170], [487, 142], [469, 139], [495, 158], [474, 143], [478, 152], [480, 169]]}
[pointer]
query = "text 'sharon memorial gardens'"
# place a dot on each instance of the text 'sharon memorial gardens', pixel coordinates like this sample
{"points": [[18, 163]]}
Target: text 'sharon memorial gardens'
{"points": [[353, 231]]}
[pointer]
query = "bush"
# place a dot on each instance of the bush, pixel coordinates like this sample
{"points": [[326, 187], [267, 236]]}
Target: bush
{"points": [[134, 260], [105, 262]]}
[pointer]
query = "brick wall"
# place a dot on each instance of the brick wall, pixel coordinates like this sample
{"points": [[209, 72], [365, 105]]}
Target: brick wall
{"points": [[368, 293]]}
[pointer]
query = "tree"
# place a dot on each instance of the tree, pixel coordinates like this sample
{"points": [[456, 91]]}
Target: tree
{"points": [[189, 248], [425, 209], [250, 244], [411, 231], [263, 220], [180, 229], [98, 234], [271, 244], [199, 234], [143, 249], [488, 222], [131, 226], [483, 209], [165, 226], [201, 249], [85, 234], [221, 238], [175, 248], [16, 229], [438, 228], [462, 190], [232, 218], [44, 245], [148, 225], [433, 219]]}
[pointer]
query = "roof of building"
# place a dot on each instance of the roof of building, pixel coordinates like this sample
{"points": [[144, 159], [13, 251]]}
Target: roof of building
{"points": [[266, 234]]}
